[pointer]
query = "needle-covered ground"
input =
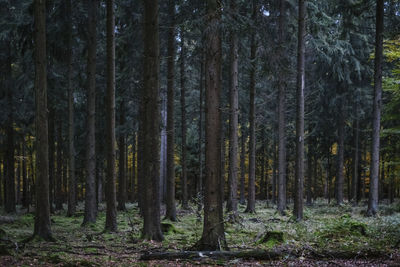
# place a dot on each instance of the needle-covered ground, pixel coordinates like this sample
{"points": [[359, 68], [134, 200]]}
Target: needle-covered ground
{"points": [[328, 235]]}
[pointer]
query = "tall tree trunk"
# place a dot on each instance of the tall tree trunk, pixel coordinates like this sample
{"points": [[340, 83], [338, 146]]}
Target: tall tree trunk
{"points": [[356, 135], [340, 153], [199, 184], [242, 199], [377, 107], [299, 173], [1, 179], [59, 173], [281, 116], [71, 150], [42, 218], [122, 171], [18, 176], [213, 236], [183, 123], [251, 194], [111, 211], [134, 185], [231, 204], [25, 202], [51, 157], [274, 171], [151, 123], [170, 203], [9, 187], [310, 169], [90, 188]]}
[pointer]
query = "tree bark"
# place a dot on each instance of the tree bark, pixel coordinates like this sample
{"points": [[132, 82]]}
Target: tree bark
{"points": [[251, 194], [299, 173], [51, 157], [183, 123], [377, 107], [170, 203], [340, 153], [90, 188], [42, 226], [71, 150], [213, 236], [281, 116], [25, 201], [59, 172], [9, 187], [356, 135], [231, 204], [111, 211], [151, 123], [121, 164], [242, 199]]}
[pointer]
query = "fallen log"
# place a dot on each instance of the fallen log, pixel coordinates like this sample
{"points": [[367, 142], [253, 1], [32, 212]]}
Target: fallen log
{"points": [[247, 254], [263, 254]]}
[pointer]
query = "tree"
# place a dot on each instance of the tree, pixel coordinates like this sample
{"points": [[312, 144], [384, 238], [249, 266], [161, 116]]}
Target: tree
{"points": [[281, 115], [90, 189], [42, 226], [170, 203], [121, 163], [231, 204], [9, 188], [151, 123], [213, 236], [183, 123], [251, 192], [377, 107], [299, 175], [71, 147], [111, 211]]}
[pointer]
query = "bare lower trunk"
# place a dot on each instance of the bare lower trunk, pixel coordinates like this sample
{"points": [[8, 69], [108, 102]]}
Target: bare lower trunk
{"points": [[90, 189], [281, 120], [151, 123], [251, 194], [183, 123], [170, 203], [71, 149], [213, 236], [42, 218], [340, 155], [121, 163], [299, 173], [233, 121], [51, 157], [377, 107], [59, 176], [242, 199], [111, 211]]}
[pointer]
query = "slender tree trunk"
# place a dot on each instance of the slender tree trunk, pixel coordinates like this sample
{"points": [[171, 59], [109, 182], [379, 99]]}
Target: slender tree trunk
{"points": [[51, 157], [299, 173], [281, 117], [274, 172], [213, 236], [1, 179], [151, 123], [18, 176], [242, 199], [340, 153], [25, 202], [183, 123], [170, 203], [71, 150], [200, 179], [310, 168], [233, 119], [122, 171], [111, 211], [251, 198], [9, 187], [59, 173], [134, 185], [382, 177], [377, 107], [90, 188], [354, 184], [42, 219]]}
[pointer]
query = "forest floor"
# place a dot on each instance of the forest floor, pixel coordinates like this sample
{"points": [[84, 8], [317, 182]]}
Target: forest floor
{"points": [[328, 236]]}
